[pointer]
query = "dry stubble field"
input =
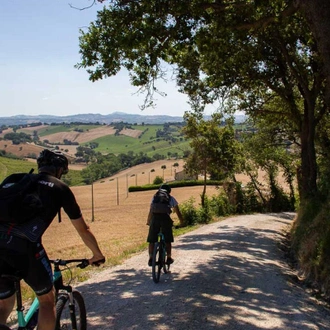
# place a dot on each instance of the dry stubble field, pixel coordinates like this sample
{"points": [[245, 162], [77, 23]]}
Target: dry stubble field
{"points": [[119, 217]]}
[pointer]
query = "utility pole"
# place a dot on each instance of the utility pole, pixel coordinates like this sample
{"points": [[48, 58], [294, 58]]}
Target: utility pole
{"points": [[92, 201]]}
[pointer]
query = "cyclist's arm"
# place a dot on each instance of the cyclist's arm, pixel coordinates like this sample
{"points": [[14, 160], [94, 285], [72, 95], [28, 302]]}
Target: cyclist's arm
{"points": [[88, 238], [149, 218], [179, 214]]}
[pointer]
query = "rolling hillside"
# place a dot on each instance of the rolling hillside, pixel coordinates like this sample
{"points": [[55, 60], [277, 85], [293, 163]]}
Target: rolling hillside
{"points": [[159, 139]]}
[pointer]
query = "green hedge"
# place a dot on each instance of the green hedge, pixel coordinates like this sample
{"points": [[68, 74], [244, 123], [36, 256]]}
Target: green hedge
{"points": [[175, 184]]}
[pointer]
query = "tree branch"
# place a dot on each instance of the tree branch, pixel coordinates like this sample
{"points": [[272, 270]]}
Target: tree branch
{"points": [[93, 3], [265, 21]]}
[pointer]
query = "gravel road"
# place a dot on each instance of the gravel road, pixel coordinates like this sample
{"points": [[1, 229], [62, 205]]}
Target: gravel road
{"points": [[227, 275]]}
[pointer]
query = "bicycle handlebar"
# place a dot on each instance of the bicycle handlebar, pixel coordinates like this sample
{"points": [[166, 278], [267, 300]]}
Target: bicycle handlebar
{"points": [[82, 263]]}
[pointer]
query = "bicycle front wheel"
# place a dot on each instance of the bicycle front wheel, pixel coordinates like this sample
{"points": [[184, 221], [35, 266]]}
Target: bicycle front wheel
{"points": [[156, 262], [63, 315]]}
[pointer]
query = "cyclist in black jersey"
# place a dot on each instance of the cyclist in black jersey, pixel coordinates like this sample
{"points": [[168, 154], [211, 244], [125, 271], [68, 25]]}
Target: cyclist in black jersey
{"points": [[21, 248]]}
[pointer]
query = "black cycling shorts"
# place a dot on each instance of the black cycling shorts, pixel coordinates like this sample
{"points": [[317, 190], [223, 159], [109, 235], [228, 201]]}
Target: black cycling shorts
{"points": [[27, 260], [161, 222]]}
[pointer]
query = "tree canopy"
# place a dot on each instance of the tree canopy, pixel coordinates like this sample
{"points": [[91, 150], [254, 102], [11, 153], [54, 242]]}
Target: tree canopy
{"points": [[245, 53]]}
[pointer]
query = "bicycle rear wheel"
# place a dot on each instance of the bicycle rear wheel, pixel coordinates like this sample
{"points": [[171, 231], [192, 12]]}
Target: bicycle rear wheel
{"points": [[156, 262], [63, 318], [166, 267]]}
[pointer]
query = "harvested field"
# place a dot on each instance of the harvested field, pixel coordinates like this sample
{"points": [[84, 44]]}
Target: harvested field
{"points": [[134, 133], [119, 217], [83, 137], [89, 135], [21, 150]]}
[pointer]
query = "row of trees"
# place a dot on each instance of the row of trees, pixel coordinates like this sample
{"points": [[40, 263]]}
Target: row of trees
{"points": [[102, 166]]}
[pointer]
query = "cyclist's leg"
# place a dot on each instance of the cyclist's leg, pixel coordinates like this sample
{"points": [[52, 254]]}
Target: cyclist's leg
{"points": [[6, 307], [40, 278], [167, 230], [169, 249], [154, 229], [12, 252], [46, 317]]}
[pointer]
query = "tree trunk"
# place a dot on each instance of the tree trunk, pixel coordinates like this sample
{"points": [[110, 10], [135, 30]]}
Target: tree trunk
{"points": [[308, 172], [317, 13], [204, 190]]}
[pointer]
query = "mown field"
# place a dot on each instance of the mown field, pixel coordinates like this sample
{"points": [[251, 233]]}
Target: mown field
{"points": [[116, 216]]}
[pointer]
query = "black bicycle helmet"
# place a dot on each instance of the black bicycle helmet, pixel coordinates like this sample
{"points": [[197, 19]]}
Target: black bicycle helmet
{"points": [[165, 187], [53, 158]]}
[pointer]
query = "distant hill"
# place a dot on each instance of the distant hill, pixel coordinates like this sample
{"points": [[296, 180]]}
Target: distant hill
{"points": [[96, 117], [90, 118]]}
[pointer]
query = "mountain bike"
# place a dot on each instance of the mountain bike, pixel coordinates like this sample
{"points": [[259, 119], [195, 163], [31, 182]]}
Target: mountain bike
{"points": [[70, 305], [159, 258]]}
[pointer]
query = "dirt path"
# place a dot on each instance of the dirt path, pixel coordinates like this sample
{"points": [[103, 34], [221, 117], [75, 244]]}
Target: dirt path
{"points": [[228, 275]]}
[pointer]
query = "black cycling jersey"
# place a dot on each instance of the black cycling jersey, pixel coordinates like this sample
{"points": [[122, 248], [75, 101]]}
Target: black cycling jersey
{"points": [[54, 194], [20, 245]]}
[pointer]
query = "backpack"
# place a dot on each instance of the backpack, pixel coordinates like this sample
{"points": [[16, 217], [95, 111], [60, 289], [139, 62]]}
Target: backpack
{"points": [[161, 202], [19, 198]]}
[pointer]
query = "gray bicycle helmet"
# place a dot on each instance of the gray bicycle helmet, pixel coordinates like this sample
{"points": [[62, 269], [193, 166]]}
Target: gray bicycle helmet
{"points": [[165, 187], [53, 158]]}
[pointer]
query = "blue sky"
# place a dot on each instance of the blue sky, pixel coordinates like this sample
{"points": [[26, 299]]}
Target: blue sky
{"points": [[38, 50]]}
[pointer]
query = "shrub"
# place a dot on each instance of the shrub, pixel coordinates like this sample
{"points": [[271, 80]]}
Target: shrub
{"points": [[158, 180], [279, 201], [189, 212], [220, 205], [205, 213]]}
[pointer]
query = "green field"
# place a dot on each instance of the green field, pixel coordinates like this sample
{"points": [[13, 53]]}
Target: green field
{"points": [[9, 166], [147, 143], [52, 129]]}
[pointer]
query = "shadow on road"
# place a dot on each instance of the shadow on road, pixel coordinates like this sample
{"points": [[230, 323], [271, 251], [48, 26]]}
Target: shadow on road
{"points": [[241, 286]]}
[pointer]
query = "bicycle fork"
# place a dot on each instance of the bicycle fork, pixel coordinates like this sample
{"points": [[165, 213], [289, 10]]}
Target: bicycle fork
{"points": [[59, 285], [72, 310]]}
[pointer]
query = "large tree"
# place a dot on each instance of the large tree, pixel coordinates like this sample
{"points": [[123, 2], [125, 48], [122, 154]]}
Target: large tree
{"points": [[214, 147], [256, 50], [316, 12]]}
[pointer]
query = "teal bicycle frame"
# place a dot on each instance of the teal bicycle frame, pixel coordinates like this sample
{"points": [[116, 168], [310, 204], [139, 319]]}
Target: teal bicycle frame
{"points": [[159, 258], [30, 319]]}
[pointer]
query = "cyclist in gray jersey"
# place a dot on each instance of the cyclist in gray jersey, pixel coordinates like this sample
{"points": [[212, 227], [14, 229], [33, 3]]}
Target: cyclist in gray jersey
{"points": [[21, 249], [163, 222]]}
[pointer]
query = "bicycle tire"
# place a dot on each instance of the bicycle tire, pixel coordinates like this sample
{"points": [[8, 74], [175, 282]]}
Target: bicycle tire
{"points": [[165, 266], [63, 320], [156, 265]]}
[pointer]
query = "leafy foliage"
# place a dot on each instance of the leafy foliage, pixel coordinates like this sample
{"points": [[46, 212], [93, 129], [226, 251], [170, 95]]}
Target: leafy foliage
{"points": [[248, 52], [18, 138], [215, 151]]}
